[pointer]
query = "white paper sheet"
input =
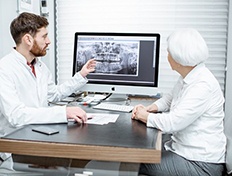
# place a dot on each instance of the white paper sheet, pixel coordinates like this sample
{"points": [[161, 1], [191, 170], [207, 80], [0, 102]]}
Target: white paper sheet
{"points": [[102, 118]]}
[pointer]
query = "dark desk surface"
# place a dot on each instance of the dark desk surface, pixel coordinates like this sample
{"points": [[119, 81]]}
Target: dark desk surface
{"points": [[125, 141]]}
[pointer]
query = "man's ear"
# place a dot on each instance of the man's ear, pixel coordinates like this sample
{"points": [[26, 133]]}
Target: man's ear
{"points": [[28, 39]]}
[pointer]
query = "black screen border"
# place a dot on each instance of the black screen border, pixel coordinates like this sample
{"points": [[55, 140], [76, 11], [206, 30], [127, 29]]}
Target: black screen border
{"points": [[157, 35]]}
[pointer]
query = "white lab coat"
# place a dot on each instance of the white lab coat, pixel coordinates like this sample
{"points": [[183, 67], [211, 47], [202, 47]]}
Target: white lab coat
{"points": [[24, 98]]}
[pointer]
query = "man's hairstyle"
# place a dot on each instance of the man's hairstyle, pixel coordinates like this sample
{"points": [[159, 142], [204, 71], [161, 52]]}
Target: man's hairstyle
{"points": [[26, 23], [187, 47]]}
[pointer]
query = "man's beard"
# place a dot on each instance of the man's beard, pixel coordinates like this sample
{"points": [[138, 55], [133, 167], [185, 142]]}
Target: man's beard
{"points": [[37, 51]]}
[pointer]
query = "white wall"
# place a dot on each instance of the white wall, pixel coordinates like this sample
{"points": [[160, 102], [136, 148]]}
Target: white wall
{"points": [[9, 9], [228, 94], [49, 59]]}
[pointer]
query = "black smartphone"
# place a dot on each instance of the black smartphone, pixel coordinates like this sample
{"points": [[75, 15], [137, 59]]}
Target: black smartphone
{"points": [[45, 130]]}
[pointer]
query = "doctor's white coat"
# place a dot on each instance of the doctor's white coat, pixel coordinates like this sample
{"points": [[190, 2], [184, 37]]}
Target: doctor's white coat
{"points": [[24, 98]]}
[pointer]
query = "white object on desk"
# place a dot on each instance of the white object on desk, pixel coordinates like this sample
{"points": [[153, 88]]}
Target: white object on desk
{"points": [[92, 100], [114, 107], [88, 172], [101, 118]]}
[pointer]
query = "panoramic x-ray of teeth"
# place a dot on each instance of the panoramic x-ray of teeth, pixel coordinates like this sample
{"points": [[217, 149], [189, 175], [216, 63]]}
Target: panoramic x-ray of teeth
{"points": [[111, 57]]}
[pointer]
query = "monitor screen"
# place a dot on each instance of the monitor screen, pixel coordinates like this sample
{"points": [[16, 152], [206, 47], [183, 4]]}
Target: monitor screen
{"points": [[125, 61]]}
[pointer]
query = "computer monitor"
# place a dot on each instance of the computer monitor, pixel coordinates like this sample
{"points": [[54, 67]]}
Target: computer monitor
{"points": [[127, 63]]}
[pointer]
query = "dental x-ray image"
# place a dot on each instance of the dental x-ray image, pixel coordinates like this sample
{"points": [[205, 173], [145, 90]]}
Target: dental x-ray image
{"points": [[112, 57]]}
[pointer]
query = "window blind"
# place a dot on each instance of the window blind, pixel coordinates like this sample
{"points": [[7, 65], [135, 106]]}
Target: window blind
{"points": [[209, 17]]}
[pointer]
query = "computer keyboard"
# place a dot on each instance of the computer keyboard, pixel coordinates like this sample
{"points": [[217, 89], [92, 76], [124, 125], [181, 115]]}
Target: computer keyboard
{"points": [[114, 107]]}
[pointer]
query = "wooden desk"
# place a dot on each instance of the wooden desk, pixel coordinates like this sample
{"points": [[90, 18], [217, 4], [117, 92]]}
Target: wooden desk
{"points": [[124, 141]]}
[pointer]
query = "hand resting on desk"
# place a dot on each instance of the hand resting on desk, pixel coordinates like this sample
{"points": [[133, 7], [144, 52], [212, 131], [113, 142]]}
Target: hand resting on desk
{"points": [[76, 113], [141, 112]]}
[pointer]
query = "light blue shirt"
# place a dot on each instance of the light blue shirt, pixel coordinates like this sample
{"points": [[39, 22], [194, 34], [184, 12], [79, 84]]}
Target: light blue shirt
{"points": [[194, 116]]}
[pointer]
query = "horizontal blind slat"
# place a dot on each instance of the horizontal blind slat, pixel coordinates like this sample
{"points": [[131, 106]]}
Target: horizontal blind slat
{"points": [[210, 17]]}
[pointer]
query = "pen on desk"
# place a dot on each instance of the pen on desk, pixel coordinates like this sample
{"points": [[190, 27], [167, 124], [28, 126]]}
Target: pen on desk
{"points": [[92, 103], [89, 117], [83, 103]]}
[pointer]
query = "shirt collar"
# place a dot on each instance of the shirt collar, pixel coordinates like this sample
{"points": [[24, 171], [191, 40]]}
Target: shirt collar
{"points": [[192, 75], [22, 59], [33, 62]]}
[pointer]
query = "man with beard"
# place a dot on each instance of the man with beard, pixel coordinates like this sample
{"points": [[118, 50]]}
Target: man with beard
{"points": [[26, 83]]}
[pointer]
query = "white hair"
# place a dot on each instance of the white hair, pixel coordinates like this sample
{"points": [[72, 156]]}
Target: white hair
{"points": [[187, 47]]}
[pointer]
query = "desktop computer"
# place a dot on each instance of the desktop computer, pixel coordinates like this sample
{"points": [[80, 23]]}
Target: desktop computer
{"points": [[127, 63]]}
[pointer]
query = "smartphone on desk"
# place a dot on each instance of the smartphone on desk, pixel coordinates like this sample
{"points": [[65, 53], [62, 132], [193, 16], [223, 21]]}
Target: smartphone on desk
{"points": [[45, 130]]}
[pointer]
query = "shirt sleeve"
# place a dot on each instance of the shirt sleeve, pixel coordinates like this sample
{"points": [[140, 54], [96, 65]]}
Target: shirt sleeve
{"points": [[190, 103], [164, 103], [58, 92]]}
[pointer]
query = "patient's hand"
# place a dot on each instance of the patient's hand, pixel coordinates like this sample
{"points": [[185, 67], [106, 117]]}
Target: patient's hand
{"points": [[140, 113]]}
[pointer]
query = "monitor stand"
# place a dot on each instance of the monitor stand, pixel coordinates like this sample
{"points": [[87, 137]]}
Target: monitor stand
{"points": [[117, 98]]}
